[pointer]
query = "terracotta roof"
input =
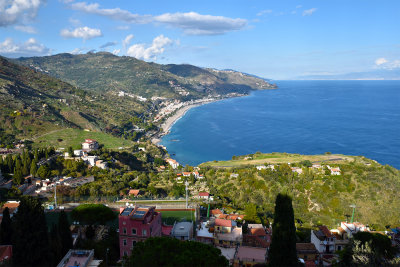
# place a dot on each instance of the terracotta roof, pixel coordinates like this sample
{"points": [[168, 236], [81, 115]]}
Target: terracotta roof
{"points": [[235, 217], [306, 246], [134, 192], [258, 232], [216, 211], [326, 231], [222, 216], [223, 222], [204, 194]]}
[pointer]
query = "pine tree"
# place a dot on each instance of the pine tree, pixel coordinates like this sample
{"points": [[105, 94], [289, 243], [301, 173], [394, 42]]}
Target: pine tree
{"points": [[30, 239], [64, 233], [283, 246], [6, 228]]}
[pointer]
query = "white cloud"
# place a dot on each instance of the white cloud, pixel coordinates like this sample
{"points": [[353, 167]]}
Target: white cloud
{"points": [[190, 22], [108, 44], [16, 11], [74, 22], [123, 28], [263, 12], [149, 52], [309, 12], [29, 48], [380, 61], [383, 63], [27, 29], [76, 51], [85, 33], [196, 24], [299, 6], [127, 40], [113, 13]]}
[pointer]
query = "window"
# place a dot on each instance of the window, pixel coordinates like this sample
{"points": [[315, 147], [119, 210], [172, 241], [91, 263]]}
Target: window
{"points": [[124, 242], [144, 232], [125, 253], [133, 231], [133, 243], [124, 231]]}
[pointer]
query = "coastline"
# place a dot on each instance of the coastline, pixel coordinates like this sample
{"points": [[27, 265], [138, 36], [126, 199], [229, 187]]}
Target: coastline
{"points": [[170, 121]]}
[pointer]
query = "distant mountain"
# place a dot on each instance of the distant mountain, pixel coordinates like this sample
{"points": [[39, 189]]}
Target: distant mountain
{"points": [[370, 75], [105, 72]]}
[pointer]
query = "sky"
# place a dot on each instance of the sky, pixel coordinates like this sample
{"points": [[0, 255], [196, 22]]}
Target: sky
{"points": [[272, 39]]}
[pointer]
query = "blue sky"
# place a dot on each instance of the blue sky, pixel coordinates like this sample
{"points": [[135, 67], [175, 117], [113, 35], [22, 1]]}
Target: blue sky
{"points": [[272, 39]]}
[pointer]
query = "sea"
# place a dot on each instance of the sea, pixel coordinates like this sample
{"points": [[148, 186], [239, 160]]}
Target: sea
{"points": [[304, 117]]}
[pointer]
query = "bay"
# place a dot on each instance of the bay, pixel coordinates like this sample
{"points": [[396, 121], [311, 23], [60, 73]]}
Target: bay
{"points": [[304, 117]]}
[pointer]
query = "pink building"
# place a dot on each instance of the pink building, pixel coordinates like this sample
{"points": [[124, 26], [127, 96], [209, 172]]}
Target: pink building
{"points": [[137, 224]]}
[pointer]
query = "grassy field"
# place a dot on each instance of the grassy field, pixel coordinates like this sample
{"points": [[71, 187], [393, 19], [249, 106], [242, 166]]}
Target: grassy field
{"points": [[169, 217], [74, 137], [274, 158]]}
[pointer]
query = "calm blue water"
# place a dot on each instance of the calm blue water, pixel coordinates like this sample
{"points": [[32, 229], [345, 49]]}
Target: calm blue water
{"points": [[306, 117]]}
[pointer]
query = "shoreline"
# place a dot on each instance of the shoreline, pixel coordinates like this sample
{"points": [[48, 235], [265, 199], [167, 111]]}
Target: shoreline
{"points": [[170, 121]]}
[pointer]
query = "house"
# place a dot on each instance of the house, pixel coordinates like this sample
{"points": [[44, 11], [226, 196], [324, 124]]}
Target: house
{"points": [[166, 230], [347, 230], [226, 233], [203, 234], [297, 170], [186, 174], [12, 207], [81, 258], [182, 230], [91, 160], [257, 236], [101, 164], [261, 167], [134, 192], [78, 152], [250, 256], [224, 226], [307, 251], [323, 240], [5, 254], [216, 212], [174, 164], [204, 195], [137, 223], [335, 171], [90, 145]]}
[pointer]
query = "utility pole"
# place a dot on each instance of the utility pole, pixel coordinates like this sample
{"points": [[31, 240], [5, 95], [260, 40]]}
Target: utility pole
{"points": [[55, 196], [354, 209], [186, 188]]}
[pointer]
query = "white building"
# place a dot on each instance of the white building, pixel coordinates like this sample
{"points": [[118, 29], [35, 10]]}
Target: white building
{"points": [[90, 144], [174, 164], [323, 240], [182, 230]]}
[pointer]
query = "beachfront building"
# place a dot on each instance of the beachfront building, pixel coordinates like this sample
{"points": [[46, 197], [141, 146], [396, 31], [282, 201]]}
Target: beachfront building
{"points": [[173, 163], [136, 224]]}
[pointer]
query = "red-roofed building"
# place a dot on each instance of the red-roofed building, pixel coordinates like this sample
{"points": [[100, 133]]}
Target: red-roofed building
{"points": [[186, 174], [137, 224], [90, 145], [323, 240], [134, 192], [216, 212], [5, 253]]}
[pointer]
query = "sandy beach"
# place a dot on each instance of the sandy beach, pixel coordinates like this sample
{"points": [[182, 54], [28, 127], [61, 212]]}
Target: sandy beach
{"points": [[166, 126]]}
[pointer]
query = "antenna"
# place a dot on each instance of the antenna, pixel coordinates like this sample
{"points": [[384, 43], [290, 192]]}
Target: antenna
{"points": [[354, 209]]}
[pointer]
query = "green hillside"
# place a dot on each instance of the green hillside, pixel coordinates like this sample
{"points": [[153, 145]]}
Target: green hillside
{"points": [[33, 103], [105, 72], [318, 196]]}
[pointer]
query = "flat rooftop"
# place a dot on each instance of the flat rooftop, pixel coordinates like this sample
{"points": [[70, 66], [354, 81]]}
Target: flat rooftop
{"points": [[203, 232], [181, 228], [256, 254]]}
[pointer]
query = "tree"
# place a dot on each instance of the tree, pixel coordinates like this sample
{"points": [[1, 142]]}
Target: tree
{"points": [[92, 213], [70, 151], [283, 246], [251, 213], [64, 232], [33, 169], [6, 228], [166, 251], [43, 171], [18, 178], [30, 240]]}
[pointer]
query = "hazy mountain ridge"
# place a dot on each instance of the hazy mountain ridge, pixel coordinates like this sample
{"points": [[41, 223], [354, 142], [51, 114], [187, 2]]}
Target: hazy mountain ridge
{"points": [[382, 74]]}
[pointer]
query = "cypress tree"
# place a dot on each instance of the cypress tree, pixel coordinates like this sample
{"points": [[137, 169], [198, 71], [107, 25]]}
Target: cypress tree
{"points": [[18, 177], [10, 163], [30, 239], [64, 233], [33, 169], [55, 244], [6, 228], [283, 246]]}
